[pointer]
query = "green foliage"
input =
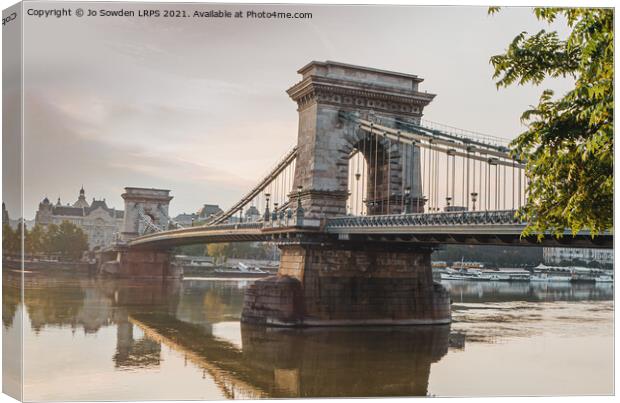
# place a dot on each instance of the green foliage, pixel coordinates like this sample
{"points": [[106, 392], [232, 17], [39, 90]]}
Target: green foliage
{"points": [[35, 240], [568, 147], [239, 250], [66, 240], [218, 251], [11, 240]]}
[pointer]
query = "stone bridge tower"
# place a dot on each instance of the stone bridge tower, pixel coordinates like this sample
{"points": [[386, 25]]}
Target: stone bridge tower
{"points": [[140, 204], [149, 203], [325, 140], [323, 281]]}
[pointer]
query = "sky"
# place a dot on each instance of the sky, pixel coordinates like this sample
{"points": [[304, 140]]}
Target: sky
{"points": [[198, 106]]}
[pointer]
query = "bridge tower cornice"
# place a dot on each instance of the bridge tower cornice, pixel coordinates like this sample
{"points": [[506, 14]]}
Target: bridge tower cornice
{"points": [[354, 88]]}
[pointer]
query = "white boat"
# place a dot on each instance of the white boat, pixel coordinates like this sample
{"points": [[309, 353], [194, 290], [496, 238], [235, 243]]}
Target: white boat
{"points": [[467, 275], [507, 274], [604, 279], [496, 276], [549, 278]]}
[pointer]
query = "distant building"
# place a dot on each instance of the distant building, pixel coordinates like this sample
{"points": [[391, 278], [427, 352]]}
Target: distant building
{"points": [[186, 220], [559, 255], [100, 222], [252, 214], [209, 210]]}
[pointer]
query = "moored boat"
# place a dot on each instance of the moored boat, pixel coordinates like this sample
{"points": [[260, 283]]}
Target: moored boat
{"points": [[604, 279]]}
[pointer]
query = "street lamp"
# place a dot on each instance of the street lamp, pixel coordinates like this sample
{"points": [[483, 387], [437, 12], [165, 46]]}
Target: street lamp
{"points": [[274, 213], [266, 215], [407, 201], [299, 214], [474, 196]]}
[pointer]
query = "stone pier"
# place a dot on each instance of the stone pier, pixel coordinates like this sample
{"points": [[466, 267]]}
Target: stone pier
{"points": [[143, 206], [125, 263], [336, 284]]}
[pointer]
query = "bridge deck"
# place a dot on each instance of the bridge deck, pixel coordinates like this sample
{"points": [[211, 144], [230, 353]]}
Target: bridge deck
{"points": [[472, 228]]}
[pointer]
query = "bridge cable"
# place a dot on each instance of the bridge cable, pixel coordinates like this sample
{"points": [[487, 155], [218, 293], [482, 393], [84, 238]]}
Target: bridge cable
{"points": [[389, 176], [436, 177], [463, 183], [487, 172], [453, 179], [364, 169], [467, 191], [375, 169], [519, 173], [431, 182], [413, 179], [403, 174], [497, 185], [504, 188], [447, 178]]}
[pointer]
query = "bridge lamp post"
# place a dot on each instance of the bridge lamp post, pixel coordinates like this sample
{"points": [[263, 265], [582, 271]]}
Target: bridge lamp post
{"points": [[407, 196], [349, 212], [299, 214], [474, 196], [274, 213], [267, 215]]}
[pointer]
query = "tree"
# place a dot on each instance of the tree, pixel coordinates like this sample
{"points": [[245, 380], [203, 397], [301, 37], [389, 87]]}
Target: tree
{"points": [[71, 240], [36, 239], [50, 245], [218, 251], [67, 239], [11, 240], [568, 146]]}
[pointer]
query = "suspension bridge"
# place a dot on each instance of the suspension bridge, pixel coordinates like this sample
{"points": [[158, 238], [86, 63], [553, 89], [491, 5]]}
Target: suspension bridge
{"points": [[357, 206]]}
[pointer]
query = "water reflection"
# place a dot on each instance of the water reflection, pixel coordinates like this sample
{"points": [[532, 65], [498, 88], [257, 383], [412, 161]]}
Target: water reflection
{"points": [[153, 324], [504, 291], [309, 362]]}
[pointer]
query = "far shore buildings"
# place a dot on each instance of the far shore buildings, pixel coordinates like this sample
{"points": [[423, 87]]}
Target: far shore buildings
{"points": [[559, 255], [208, 211], [100, 222]]}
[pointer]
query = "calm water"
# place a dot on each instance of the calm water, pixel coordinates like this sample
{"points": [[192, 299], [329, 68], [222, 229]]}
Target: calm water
{"points": [[93, 339]]}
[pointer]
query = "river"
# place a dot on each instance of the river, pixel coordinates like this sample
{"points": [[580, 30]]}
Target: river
{"points": [[102, 339]]}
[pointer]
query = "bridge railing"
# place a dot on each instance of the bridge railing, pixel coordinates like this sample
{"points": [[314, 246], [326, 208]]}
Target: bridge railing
{"points": [[427, 219], [239, 225]]}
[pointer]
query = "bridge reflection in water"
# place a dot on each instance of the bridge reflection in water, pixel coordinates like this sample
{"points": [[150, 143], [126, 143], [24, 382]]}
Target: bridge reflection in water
{"points": [[153, 319], [324, 362]]}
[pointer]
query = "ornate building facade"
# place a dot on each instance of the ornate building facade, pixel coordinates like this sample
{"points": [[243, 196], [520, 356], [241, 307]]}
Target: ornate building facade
{"points": [[101, 223]]}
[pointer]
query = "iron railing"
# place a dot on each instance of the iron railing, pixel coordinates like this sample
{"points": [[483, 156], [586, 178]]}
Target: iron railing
{"points": [[507, 217]]}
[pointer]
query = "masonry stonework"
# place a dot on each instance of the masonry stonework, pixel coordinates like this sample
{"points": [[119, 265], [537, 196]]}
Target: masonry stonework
{"points": [[326, 140], [152, 204], [349, 284], [138, 263]]}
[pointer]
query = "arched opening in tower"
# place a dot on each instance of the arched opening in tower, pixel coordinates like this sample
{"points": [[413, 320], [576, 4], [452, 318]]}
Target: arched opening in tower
{"points": [[383, 177]]}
